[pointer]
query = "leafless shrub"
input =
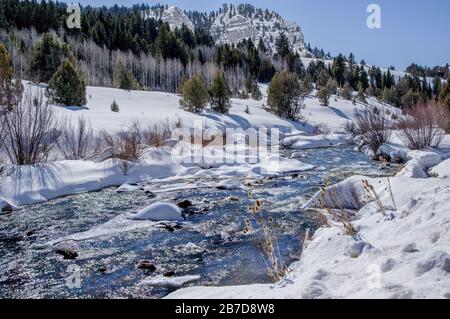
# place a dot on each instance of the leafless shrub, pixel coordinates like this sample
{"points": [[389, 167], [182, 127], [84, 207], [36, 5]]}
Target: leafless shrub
{"points": [[28, 130], [321, 129], [424, 126], [373, 129], [76, 141], [159, 133], [126, 146], [350, 128]]}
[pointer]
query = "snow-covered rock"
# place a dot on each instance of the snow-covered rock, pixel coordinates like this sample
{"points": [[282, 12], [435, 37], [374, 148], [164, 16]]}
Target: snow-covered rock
{"points": [[159, 212], [413, 169], [169, 282], [236, 24], [189, 249], [418, 163], [6, 207], [229, 184], [126, 188], [175, 17], [317, 141], [442, 170]]}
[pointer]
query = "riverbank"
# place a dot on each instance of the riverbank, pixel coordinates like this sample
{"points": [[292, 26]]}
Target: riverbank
{"points": [[401, 252]]}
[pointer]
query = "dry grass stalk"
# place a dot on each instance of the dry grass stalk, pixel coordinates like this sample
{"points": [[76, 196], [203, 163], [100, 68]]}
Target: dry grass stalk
{"points": [[373, 195], [337, 209], [267, 241], [388, 188]]}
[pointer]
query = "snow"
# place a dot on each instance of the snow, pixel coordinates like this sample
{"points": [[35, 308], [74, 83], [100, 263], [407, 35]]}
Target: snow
{"points": [[169, 282], [159, 108], [318, 141], [127, 188], [160, 212], [229, 184], [39, 183], [403, 254], [442, 170], [418, 162]]}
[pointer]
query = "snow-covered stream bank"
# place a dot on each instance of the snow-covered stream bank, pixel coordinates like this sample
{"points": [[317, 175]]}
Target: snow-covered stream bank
{"points": [[403, 252], [111, 247]]}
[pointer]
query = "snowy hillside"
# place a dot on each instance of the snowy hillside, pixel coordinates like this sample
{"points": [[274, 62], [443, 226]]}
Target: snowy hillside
{"points": [[152, 108]]}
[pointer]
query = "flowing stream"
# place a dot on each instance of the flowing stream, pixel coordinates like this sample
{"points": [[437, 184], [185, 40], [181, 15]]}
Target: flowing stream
{"points": [[210, 243]]}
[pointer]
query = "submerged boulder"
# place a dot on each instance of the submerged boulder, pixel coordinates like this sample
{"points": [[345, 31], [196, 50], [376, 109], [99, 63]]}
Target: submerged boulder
{"points": [[159, 212]]}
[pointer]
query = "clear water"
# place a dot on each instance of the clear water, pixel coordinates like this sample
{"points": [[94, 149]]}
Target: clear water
{"points": [[108, 264]]}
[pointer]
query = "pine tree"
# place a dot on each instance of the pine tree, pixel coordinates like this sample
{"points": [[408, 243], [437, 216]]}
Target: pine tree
{"points": [[46, 57], [322, 79], [339, 69], [256, 92], [324, 95], [282, 45], [332, 86], [67, 86], [10, 91], [437, 85], [194, 94], [115, 107], [266, 71], [410, 99], [6, 70], [220, 94], [346, 92], [444, 95], [284, 97], [361, 93], [306, 85], [124, 79]]}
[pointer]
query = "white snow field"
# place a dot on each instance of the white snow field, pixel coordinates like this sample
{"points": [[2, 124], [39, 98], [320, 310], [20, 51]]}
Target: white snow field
{"points": [[404, 253]]}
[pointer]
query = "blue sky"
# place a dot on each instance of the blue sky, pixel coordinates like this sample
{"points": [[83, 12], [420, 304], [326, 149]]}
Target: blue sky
{"points": [[412, 30]]}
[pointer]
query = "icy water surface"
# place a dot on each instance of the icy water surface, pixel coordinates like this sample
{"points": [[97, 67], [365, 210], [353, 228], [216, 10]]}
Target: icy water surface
{"points": [[107, 265]]}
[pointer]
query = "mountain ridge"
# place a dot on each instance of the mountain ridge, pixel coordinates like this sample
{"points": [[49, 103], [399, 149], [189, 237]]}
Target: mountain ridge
{"points": [[233, 23]]}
